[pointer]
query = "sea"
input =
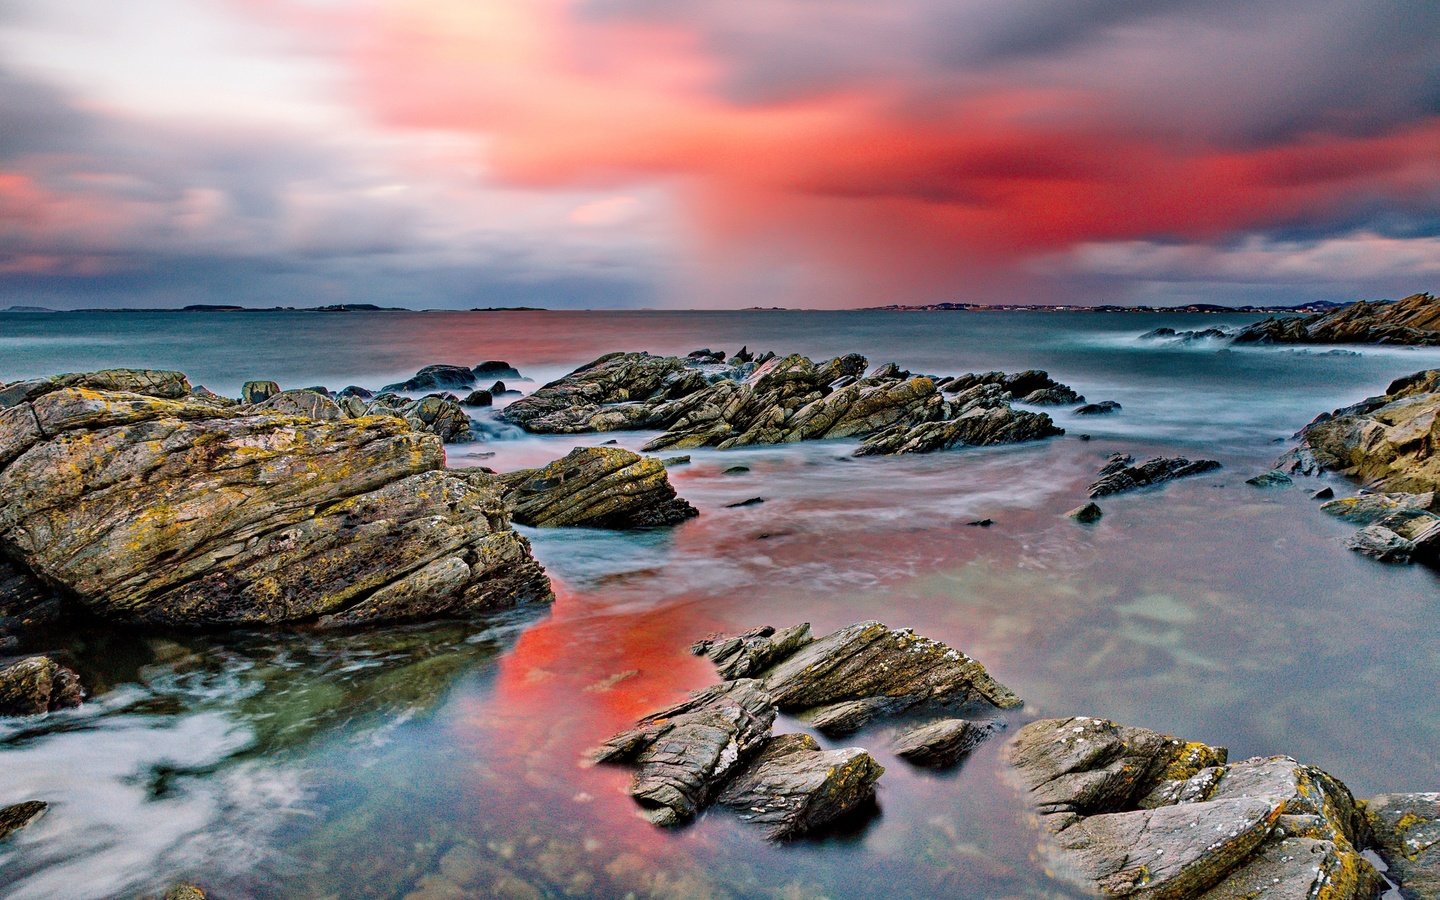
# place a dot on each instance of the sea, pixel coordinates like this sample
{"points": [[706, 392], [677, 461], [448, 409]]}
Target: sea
{"points": [[448, 760]]}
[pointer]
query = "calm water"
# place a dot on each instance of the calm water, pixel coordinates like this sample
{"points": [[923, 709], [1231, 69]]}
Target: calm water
{"points": [[444, 761]]}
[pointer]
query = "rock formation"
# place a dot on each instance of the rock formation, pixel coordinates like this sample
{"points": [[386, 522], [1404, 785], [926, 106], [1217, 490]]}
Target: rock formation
{"points": [[1413, 321], [945, 742], [37, 685], [1118, 475], [595, 487], [1405, 832], [148, 505], [793, 786], [1128, 812], [18, 815]]}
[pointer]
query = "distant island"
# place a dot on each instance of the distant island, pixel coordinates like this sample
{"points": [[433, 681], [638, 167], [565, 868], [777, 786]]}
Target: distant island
{"points": [[1317, 306]]}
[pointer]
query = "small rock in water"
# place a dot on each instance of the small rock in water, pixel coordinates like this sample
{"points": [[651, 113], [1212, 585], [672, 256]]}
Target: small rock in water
{"points": [[610, 443], [478, 398], [1271, 479], [1379, 542], [753, 501], [675, 461], [1086, 514], [14, 818], [981, 523], [1103, 408], [945, 742], [794, 786], [1324, 493], [37, 685], [736, 470]]}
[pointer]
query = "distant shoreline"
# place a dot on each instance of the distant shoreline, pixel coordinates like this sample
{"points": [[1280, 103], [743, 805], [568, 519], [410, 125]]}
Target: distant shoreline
{"points": [[1193, 308]]}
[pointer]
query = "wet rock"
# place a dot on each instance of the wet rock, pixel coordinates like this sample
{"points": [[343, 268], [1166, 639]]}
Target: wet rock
{"points": [[1053, 396], [250, 392], [981, 523], [1324, 493], [736, 470], [1414, 321], [1405, 831], [793, 786], [744, 655], [1378, 542], [435, 414], [596, 487], [185, 892], [436, 377], [171, 511], [1086, 514], [1129, 812], [1367, 509], [1270, 480], [494, 368], [37, 685], [1119, 475], [979, 426], [1385, 442], [753, 501], [683, 460], [616, 391], [685, 753], [25, 604], [945, 742], [1170, 335], [1103, 408], [499, 388], [478, 398], [15, 817]]}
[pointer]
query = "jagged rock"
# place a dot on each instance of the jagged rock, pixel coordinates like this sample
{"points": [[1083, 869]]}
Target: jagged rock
{"points": [[185, 892], [1386, 442], [1381, 543], [945, 742], [616, 391], [1087, 514], [1103, 408], [1054, 396], [682, 460], [37, 685], [303, 403], [1325, 493], [740, 504], [793, 786], [684, 754], [744, 655], [1270, 479], [436, 377], [849, 676], [1170, 335], [172, 511], [355, 391], [251, 392], [1406, 534], [434, 414], [478, 398], [1414, 321], [25, 604], [1128, 812], [494, 368], [1367, 509], [1405, 831], [977, 427], [596, 487], [17, 816], [1118, 475]]}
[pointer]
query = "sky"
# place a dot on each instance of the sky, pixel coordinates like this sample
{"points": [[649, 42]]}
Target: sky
{"points": [[717, 153]]}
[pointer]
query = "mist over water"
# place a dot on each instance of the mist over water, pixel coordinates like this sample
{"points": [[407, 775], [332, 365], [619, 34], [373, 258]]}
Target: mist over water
{"points": [[423, 761]]}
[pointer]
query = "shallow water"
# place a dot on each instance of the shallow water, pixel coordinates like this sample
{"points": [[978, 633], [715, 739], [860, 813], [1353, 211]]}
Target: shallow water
{"points": [[444, 761]]}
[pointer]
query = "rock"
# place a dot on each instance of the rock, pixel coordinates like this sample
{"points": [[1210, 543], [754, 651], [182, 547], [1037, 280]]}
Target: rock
{"points": [[616, 391], [25, 604], [1270, 479], [1086, 514], [684, 754], [1414, 321], [945, 742], [1128, 812], [884, 670], [17, 816], [185, 892], [744, 655], [596, 487], [1053, 396], [153, 383], [37, 685], [499, 388], [478, 398], [355, 391], [981, 523], [1103, 408], [1405, 831], [251, 392], [1172, 336], [736, 470], [1118, 475], [1381, 543], [977, 427], [307, 403], [436, 377], [794, 787], [753, 501], [1324, 493], [494, 368], [683, 460], [441, 417], [1367, 509], [164, 511]]}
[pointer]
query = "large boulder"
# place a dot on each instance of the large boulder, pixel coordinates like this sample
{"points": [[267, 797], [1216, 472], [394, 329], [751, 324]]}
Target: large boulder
{"points": [[1413, 321], [794, 787], [1118, 475], [435, 378], [1129, 812], [151, 508], [1405, 831], [1387, 442], [37, 685], [596, 487]]}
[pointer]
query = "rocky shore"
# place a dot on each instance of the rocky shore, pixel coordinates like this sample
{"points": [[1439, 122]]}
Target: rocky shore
{"points": [[709, 400], [1414, 321]]}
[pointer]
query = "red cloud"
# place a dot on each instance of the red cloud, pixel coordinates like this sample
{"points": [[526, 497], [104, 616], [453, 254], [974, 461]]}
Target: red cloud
{"points": [[895, 191]]}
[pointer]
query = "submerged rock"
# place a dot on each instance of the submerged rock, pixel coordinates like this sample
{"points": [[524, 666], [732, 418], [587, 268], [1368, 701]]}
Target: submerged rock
{"points": [[170, 510], [17, 816], [1087, 514], [945, 742], [1119, 475], [793, 786], [1129, 812], [1270, 479], [478, 398], [1103, 408], [1405, 831], [596, 487], [683, 754], [37, 685], [1414, 321]]}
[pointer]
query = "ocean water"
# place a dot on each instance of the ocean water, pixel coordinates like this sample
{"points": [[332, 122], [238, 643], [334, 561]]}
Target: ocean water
{"points": [[445, 761]]}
